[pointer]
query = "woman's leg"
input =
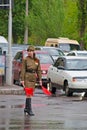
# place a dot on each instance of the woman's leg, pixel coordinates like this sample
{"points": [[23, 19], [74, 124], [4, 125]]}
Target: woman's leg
{"points": [[28, 107]]}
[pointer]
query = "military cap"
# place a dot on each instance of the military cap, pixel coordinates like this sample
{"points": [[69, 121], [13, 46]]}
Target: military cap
{"points": [[31, 48]]}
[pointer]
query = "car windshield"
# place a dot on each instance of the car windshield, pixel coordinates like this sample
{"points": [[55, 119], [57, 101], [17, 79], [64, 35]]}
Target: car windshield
{"points": [[54, 52], [76, 64], [67, 47], [3, 44], [15, 50], [82, 54], [44, 58]]}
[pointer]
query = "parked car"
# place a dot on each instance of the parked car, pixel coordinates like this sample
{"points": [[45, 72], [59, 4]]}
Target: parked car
{"points": [[45, 61], [55, 52], [68, 73], [77, 53], [63, 43], [14, 48], [18, 47]]}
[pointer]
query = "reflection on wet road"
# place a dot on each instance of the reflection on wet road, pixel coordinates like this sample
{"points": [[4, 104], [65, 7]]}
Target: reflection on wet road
{"points": [[51, 113]]}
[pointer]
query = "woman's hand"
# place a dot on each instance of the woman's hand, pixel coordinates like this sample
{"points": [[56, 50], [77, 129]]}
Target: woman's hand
{"points": [[22, 82], [40, 82]]}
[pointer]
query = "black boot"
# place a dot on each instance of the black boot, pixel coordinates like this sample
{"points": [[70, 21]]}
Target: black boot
{"points": [[26, 106], [28, 109]]}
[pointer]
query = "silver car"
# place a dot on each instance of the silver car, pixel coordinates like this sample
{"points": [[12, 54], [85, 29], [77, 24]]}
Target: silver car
{"points": [[77, 53]]}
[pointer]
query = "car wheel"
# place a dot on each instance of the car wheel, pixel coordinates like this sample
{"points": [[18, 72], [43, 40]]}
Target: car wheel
{"points": [[19, 81], [67, 90], [49, 85], [85, 94], [14, 81], [51, 88]]}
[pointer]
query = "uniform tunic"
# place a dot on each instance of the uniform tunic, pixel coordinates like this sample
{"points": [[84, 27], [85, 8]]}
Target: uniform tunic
{"points": [[29, 78]]}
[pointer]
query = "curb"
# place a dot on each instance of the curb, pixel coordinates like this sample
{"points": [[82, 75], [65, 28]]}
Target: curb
{"points": [[11, 90]]}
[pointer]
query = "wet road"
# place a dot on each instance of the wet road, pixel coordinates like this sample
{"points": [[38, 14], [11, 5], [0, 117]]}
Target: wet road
{"points": [[51, 113]]}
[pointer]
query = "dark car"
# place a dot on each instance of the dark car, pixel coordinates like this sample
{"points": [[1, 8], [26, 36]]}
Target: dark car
{"points": [[45, 61]]}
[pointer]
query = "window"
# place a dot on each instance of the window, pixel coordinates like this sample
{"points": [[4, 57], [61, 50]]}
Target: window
{"points": [[59, 62]]}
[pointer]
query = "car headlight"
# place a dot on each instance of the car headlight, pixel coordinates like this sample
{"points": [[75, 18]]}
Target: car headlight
{"points": [[44, 72]]}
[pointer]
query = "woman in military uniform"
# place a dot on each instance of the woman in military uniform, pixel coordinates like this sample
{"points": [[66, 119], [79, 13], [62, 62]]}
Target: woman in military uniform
{"points": [[30, 68]]}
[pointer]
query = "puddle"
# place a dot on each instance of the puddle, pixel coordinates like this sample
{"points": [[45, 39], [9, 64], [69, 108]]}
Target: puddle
{"points": [[3, 106], [18, 106]]}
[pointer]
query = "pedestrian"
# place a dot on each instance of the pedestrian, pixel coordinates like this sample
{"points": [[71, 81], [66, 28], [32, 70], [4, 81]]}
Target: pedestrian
{"points": [[30, 71]]}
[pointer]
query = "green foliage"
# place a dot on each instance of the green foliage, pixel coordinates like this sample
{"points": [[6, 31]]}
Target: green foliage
{"points": [[70, 22], [18, 18], [4, 23], [18, 21], [45, 19], [82, 21]]}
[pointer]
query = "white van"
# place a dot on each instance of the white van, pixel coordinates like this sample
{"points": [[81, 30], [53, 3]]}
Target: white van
{"points": [[65, 44], [3, 44]]}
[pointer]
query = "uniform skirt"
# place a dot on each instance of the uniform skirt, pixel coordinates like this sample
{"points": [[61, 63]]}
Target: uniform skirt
{"points": [[30, 80]]}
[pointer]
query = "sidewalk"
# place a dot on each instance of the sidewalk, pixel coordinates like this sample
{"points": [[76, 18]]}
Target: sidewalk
{"points": [[13, 90]]}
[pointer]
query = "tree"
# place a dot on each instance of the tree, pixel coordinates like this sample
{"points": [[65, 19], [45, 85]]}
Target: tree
{"points": [[45, 19], [18, 21], [4, 23], [82, 18], [69, 27]]}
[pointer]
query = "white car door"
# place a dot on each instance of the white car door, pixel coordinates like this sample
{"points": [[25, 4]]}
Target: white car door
{"points": [[55, 75], [59, 72], [52, 71]]}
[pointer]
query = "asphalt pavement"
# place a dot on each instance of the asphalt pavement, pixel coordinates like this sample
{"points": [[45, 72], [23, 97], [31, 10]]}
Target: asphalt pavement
{"points": [[51, 113], [19, 90]]}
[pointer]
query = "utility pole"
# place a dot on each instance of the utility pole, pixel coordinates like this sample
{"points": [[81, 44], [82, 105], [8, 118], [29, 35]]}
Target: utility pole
{"points": [[9, 55], [7, 4], [26, 26]]}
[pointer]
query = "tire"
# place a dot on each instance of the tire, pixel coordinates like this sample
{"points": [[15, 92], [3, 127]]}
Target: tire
{"points": [[49, 86], [52, 88], [85, 94], [67, 90], [19, 83], [14, 81]]}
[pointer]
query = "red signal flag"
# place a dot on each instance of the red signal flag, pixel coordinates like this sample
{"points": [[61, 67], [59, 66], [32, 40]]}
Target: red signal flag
{"points": [[46, 91]]}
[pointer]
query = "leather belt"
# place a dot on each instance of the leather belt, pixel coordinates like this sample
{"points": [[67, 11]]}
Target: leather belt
{"points": [[30, 71]]}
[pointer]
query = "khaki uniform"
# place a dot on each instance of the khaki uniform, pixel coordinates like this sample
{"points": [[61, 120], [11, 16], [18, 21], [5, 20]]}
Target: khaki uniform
{"points": [[30, 68]]}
